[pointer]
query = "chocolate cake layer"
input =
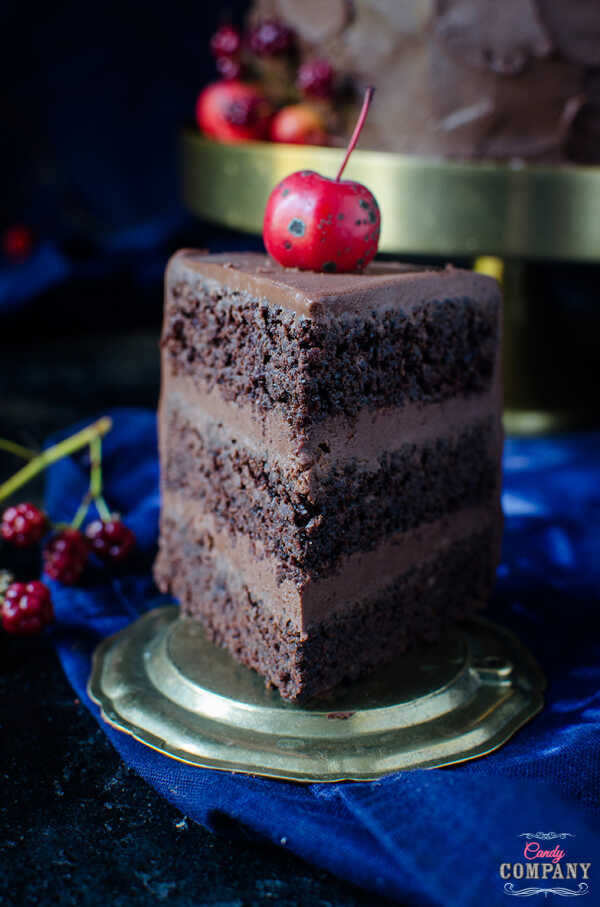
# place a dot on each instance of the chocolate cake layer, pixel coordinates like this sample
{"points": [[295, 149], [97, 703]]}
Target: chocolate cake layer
{"points": [[418, 605], [306, 601], [313, 369], [330, 449], [316, 354], [308, 454], [351, 508]]}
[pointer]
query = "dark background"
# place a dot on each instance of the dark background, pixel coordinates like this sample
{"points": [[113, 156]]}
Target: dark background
{"points": [[93, 98]]}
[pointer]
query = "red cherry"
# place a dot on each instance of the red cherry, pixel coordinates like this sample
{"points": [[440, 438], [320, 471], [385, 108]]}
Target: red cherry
{"points": [[17, 243], [233, 112], [271, 37], [298, 124], [23, 525], [111, 540], [315, 78], [319, 224], [26, 608], [226, 42]]}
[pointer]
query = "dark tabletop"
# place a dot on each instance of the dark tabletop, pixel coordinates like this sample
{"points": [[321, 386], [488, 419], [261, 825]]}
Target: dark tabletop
{"points": [[76, 825]]}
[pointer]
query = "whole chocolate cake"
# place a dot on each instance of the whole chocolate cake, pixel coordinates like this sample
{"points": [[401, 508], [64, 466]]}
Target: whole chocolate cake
{"points": [[330, 453], [463, 78]]}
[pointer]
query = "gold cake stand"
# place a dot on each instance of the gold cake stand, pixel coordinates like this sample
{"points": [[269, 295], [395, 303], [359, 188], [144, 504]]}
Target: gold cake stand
{"points": [[434, 207], [162, 682], [428, 206]]}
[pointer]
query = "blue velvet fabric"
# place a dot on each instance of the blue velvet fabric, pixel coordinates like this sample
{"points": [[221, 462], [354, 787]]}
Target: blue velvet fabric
{"points": [[134, 250], [433, 837]]}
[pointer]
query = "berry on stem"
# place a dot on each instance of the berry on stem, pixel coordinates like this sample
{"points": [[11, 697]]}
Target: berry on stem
{"points": [[315, 78], [65, 556], [319, 224], [26, 608], [229, 68], [226, 42], [233, 112], [110, 539], [23, 525], [298, 124], [270, 38]]}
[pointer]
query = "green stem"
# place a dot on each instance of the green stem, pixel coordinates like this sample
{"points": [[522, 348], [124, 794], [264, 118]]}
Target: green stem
{"points": [[94, 493], [55, 453], [103, 510], [17, 449], [96, 479], [96, 467], [81, 511]]}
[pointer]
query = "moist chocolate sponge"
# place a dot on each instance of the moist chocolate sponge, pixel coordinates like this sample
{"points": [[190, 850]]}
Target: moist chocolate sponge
{"points": [[313, 367], [330, 460]]}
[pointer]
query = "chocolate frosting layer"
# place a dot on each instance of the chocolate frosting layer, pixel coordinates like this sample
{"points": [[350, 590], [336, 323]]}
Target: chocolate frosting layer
{"points": [[575, 28], [482, 116], [504, 37], [383, 285], [360, 575], [307, 456], [471, 79], [500, 36]]}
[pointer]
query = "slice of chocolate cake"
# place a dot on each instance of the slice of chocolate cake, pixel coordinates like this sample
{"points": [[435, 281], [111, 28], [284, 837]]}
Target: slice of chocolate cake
{"points": [[330, 454]]}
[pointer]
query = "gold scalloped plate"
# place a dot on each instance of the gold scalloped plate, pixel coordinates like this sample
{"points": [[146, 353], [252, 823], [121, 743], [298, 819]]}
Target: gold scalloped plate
{"points": [[429, 206], [163, 683]]}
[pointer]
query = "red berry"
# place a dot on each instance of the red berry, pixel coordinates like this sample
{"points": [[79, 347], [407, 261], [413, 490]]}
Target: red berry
{"points": [[65, 556], [243, 111], [270, 38], [229, 68], [298, 124], [26, 608], [315, 78], [233, 112], [226, 42], [17, 242], [23, 525], [111, 540]]}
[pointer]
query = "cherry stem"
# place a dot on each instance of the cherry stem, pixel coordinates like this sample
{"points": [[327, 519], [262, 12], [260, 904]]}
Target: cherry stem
{"points": [[53, 454], [358, 128]]}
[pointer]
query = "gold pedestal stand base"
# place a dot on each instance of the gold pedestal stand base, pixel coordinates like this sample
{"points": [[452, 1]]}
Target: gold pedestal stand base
{"points": [[162, 682]]}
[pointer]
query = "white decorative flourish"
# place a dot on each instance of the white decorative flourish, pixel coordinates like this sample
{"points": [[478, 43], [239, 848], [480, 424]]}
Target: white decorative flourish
{"points": [[582, 888], [546, 835]]}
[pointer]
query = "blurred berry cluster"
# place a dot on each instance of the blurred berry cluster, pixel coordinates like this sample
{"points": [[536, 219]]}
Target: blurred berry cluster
{"points": [[265, 91]]}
